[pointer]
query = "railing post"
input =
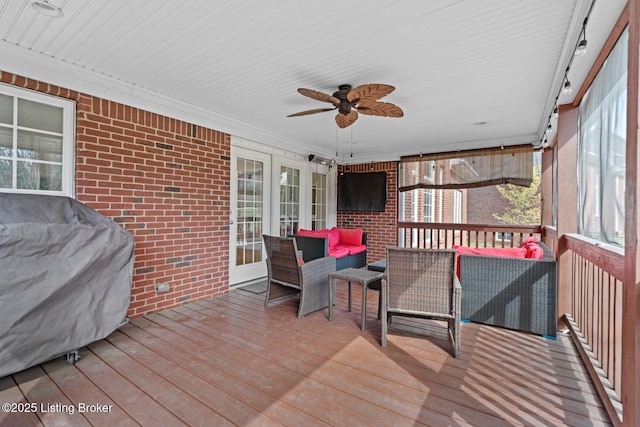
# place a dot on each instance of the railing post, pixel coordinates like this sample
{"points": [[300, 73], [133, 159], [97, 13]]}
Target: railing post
{"points": [[567, 200]]}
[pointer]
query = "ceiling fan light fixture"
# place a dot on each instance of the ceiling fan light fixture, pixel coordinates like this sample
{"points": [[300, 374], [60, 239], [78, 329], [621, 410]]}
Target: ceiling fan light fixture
{"points": [[349, 102], [43, 7]]}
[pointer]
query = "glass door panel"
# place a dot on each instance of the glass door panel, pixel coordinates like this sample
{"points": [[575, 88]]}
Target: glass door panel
{"points": [[318, 201], [289, 200], [250, 184]]}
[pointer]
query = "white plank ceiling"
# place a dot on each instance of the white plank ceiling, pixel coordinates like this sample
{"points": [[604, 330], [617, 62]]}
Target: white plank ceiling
{"points": [[235, 65]]}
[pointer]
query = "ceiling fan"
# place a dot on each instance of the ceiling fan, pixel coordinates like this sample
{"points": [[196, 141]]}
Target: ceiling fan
{"points": [[348, 102]]}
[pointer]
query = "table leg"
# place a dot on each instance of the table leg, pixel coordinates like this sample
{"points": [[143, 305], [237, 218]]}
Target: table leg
{"points": [[332, 281], [349, 297], [364, 306]]}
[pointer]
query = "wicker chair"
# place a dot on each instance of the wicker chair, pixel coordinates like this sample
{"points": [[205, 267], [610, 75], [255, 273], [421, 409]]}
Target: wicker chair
{"points": [[288, 275], [422, 283]]}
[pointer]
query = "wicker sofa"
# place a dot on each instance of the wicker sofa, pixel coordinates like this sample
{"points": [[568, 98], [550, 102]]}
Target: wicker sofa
{"points": [[316, 245], [514, 293]]}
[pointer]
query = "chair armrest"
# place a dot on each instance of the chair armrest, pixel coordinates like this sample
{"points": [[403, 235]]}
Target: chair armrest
{"points": [[457, 298], [320, 267]]}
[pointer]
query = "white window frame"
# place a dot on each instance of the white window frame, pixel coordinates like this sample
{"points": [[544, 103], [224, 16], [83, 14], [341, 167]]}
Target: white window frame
{"points": [[457, 206], [68, 137], [429, 208]]}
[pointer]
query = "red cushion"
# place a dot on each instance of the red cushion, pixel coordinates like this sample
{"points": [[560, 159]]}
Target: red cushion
{"points": [[312, 233], [357, 249], [351, 249], [339, 251], [502, 252], [334, 237], [527, 241], [534, 251], [331, 235], [350, 236]]}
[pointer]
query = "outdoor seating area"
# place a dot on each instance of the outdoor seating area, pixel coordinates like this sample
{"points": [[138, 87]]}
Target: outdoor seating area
{"points": [[229, 360]]}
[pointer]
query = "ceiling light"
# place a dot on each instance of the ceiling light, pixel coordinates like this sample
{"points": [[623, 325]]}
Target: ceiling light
{"points": [[555, 112], [43, 7], [581, 49], [567, 87]]}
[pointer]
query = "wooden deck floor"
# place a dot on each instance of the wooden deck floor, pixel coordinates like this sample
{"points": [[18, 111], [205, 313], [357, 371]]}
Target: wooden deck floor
{"points": [[231, 361]]}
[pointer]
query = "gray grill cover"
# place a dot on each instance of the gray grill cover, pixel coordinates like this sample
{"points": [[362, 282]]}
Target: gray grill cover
{"points": [[65, 278]]}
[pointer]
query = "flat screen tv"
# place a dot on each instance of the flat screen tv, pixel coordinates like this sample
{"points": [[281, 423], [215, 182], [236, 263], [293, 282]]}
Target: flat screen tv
{"points": [[362, 192]]}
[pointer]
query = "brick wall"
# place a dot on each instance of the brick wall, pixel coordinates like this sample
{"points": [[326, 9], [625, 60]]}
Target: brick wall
{"points": [[164, 180], [381, 227], [483, 202]]}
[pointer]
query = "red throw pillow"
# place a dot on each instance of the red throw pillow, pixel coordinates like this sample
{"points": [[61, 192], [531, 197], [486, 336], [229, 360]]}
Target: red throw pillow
{"points": [[350, 236], [527, 241], [534, 251], [334, 237]]}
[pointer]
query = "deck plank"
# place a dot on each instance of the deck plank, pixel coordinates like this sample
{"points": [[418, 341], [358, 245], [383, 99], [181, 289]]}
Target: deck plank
{"points": [[230, 360], [79, 390], [125, 392], [444, 380], [11, 416]]}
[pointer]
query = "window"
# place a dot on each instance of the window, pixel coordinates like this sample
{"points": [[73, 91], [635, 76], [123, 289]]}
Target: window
{"points": [[36, 142], [457, 206], [503, 237], [289, 200], [428, 205], [318, 201], [602, 150]]}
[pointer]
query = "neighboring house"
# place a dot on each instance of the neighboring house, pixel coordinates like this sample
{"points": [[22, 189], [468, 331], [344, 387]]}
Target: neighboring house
{"points": [[483, 203]]}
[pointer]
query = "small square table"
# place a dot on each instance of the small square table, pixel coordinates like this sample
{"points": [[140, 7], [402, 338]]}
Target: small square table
{"points": [[357, 275]]}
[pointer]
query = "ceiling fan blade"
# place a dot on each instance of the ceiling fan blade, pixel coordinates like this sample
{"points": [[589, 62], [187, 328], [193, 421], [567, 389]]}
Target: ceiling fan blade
{"points": [[385, 109], [370, 92], [319, 96], [306, 113], [344, 120]]}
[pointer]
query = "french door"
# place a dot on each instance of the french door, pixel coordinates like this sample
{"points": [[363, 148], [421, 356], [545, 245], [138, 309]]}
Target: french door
{"points": [[251, 182]]}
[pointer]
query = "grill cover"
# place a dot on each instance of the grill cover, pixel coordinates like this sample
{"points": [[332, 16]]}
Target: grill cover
{"points": [[65, 278]]}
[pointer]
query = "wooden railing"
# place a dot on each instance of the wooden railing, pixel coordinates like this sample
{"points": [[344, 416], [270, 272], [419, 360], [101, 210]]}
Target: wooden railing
{"points": [[445, 235], [595, 318]]}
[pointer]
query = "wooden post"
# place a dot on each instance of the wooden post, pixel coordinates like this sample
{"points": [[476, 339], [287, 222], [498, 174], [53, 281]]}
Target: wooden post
{"points": [[567, 159], [546, 188], [631, 289]]}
